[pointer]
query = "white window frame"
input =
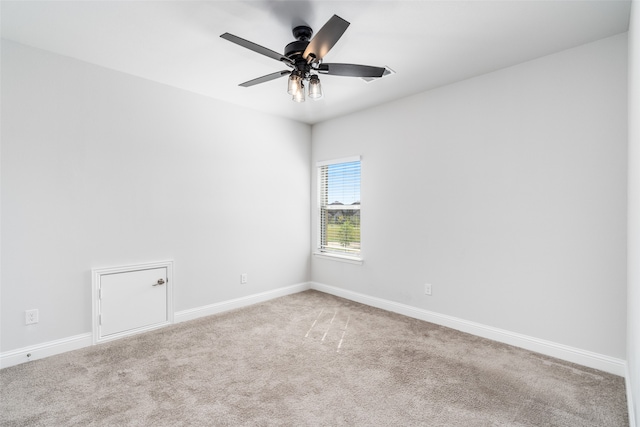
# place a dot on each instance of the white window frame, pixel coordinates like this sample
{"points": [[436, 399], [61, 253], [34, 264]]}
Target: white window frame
{"points": [[323, 253]]}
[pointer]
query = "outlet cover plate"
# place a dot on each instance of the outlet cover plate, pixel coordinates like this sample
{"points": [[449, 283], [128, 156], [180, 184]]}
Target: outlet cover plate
{"points": [[31, 317]]}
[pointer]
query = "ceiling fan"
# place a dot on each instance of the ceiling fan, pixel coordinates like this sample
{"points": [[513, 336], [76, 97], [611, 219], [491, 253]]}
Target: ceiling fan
{"points": [[304, 59]]}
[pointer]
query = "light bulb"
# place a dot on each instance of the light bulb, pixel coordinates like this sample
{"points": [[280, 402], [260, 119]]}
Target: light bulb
{"points": [[299, 95]]}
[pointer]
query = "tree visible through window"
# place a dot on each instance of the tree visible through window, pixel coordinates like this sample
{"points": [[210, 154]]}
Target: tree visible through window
{"points": [[339, 206]]}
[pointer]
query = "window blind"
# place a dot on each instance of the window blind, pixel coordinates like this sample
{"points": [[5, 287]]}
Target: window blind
{"points": [[339, 206]]}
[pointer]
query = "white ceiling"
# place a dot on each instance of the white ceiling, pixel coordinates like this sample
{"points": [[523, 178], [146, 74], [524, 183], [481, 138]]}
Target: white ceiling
{"points": [[427, 43]]}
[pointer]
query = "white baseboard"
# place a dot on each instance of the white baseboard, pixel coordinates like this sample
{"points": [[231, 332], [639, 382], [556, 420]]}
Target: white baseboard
{"points": [[220, 307], [39, 351], [560, 351]]}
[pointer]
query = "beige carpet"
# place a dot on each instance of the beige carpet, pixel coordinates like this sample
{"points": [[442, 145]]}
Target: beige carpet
{"points": [[308, 359]]}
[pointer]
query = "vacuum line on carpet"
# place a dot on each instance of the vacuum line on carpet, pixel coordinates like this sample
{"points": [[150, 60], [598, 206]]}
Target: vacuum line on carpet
{"points": [[329, 327], [314, 323], [346, 324], [344, 331]]}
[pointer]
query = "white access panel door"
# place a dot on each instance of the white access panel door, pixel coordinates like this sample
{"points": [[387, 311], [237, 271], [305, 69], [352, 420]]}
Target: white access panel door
{"points": [[132, 301]]}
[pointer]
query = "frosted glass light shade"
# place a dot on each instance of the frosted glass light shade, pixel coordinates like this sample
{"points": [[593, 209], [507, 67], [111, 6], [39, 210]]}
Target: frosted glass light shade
{"points": [[294, 84], [315, 88]]}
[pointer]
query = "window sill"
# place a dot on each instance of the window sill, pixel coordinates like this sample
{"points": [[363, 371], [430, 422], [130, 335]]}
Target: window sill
{"points": [[340, 258]]}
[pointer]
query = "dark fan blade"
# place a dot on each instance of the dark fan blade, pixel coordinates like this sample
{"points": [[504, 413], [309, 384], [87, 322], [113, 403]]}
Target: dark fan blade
{"points": [[324, 39], [256, 48], [266, 78], [351, 70]]}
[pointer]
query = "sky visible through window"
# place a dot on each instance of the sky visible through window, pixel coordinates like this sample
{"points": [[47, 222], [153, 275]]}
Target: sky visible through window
{"points": [[344, 183]]}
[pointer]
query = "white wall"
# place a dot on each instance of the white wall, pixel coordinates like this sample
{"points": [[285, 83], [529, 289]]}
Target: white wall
{"points": [[506, 192], [633, 292], [102, 169]]}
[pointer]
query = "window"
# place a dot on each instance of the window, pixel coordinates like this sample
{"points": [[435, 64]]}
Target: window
{"points": [[339, 207]]}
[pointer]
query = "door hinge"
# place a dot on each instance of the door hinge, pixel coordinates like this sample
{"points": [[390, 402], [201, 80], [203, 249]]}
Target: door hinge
{"points": [[100, 319]]}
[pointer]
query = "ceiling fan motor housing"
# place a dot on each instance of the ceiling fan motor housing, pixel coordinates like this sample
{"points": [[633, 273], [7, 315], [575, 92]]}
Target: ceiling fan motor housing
{"points": [[295, 49]]}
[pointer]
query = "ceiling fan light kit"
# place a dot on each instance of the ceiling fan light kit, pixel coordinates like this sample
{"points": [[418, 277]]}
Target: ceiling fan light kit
{"points": [[304, 57]]}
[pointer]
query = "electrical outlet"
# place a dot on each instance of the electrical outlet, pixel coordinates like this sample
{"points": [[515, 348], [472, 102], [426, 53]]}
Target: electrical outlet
{"points": [[427, 289], [243, 278], [31, 317]]}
